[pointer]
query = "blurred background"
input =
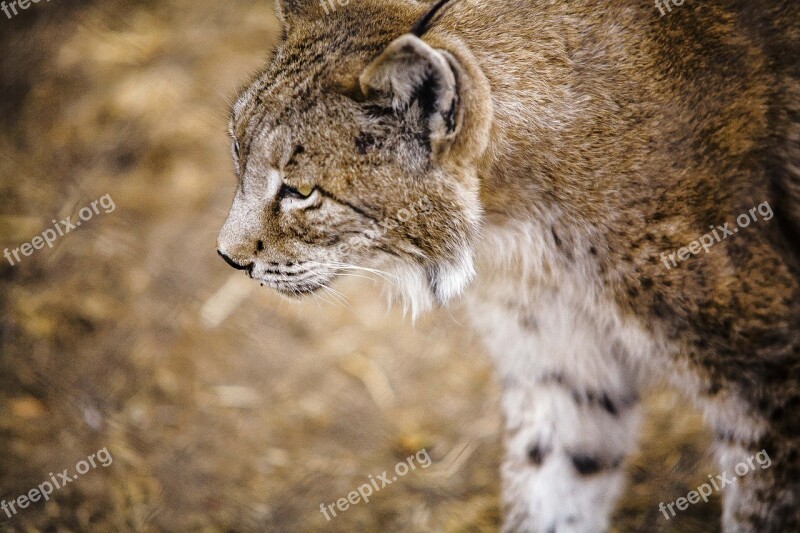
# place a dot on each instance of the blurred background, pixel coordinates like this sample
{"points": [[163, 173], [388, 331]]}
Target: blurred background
{"points": [[224, 406]]}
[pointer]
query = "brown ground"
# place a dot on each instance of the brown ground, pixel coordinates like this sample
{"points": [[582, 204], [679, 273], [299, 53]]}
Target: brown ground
{"points": [[224, 407]]}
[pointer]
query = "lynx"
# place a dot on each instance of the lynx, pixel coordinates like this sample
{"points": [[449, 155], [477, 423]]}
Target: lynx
{"points": [[563, 148]]}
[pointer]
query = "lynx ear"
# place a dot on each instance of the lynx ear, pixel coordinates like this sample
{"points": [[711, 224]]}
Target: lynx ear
{"points": [[419, 80]]}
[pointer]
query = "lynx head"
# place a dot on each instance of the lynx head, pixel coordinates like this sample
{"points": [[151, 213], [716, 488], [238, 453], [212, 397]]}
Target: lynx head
{"points": [[357, 147]]}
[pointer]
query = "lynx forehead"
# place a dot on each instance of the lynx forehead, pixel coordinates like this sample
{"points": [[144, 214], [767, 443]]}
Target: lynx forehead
{"points": [[560, 150]]}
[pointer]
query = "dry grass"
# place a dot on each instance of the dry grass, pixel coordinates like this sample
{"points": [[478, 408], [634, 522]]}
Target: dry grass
{"points": [[247, 412]]}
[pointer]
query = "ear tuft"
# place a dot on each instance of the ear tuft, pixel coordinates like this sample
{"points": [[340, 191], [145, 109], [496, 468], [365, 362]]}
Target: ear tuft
{"points": [[411, 72], [288, 10], [423, 24]]}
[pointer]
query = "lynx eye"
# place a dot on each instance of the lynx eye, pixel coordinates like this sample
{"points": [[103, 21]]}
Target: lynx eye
{"points": [[305, 190], [302, 192]]}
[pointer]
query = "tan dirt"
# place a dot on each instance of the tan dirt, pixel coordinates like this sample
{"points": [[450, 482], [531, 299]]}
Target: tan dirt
{"points": [[224, 406]]}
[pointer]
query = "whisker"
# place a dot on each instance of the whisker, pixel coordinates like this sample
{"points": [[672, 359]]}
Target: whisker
{"points": [[317, 298], [329, 302], [345, 266], [351, 275], [297, 293], [339, 296]]}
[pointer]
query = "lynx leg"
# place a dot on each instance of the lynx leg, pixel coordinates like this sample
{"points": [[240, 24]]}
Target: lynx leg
{"points": [[565, 445], [570, 403], [761, 472]]}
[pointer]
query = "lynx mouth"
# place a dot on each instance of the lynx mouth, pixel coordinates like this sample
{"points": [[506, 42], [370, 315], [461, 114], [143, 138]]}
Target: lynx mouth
{"points": [[306, 283], [298, 291]]}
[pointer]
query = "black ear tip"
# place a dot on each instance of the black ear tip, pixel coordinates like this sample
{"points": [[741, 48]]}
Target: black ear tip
{"points": [[423, 24]]}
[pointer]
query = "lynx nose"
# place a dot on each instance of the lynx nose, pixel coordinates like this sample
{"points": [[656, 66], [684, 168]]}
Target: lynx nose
{"points": [[233, 263]]}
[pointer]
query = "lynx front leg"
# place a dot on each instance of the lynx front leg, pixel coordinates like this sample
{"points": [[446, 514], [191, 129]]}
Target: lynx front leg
{"points": [[565, 444], [570, 397], [758, 457]]}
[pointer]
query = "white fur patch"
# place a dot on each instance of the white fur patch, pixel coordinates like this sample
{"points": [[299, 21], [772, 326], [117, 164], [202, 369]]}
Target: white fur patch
{"points": [[410, 286]]}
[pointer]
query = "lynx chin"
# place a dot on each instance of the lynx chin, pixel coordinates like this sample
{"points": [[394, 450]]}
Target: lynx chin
{"points": [[563, 147]]}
